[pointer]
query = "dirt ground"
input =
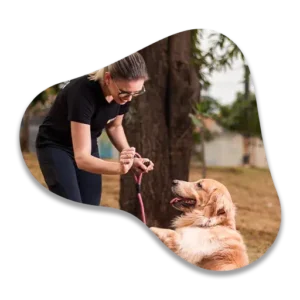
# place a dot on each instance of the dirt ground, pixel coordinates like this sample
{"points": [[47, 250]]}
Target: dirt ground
{"points": [[252, 190]]}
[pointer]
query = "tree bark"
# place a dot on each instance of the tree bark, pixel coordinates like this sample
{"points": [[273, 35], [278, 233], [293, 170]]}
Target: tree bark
{"points": [[246, 136], [24, 132], [159, 127]]}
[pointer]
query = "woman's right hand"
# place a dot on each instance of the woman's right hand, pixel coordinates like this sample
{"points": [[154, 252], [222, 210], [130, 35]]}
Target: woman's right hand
{"points": [[126, 159]]}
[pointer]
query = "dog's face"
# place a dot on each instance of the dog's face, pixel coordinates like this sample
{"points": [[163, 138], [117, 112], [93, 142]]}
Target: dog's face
{"points": [[206, 195]]}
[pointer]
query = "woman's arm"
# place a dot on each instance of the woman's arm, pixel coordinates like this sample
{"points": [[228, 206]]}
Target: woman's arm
{"points": [[116, 134], [81, 138]]}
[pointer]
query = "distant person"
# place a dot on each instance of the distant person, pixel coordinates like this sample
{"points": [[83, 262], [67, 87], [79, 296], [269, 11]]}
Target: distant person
{"points": [[66, 143]]}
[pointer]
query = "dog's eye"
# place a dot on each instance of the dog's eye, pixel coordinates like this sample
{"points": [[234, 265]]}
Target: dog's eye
{"points": [[199, 185]]}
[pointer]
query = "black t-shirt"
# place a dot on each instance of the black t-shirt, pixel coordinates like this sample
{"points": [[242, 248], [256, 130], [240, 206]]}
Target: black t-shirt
{"points": [[83, 101]]}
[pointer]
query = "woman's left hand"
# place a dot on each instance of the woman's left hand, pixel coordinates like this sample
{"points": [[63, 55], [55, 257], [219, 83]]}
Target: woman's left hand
{"points": [[139, 166]]}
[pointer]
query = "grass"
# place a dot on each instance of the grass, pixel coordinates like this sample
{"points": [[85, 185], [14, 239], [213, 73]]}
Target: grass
{"points": [[252, 190]]}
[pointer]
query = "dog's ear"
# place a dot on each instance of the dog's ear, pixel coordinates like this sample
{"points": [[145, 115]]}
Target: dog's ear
{"points": [[219, 203], [215, 205], [224, 208], [221, 208], [219, 211]]}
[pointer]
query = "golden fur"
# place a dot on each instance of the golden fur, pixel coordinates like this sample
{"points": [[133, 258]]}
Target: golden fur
{"points": [[205, 234]]}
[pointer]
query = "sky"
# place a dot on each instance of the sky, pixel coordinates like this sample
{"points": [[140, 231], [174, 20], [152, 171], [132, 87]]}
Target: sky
{"points": [[225, 85]]}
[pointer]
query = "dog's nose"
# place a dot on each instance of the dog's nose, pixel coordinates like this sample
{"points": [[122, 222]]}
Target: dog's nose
{"points": [[175, 182]]}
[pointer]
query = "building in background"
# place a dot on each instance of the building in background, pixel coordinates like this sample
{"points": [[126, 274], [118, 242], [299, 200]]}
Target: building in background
{"points": [[227, 148]]}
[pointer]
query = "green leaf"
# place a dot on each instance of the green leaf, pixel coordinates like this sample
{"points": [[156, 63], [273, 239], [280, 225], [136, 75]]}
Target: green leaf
{"points": [[196, 121]]}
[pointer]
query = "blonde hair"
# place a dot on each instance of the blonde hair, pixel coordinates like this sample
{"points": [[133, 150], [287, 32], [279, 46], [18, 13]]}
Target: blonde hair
{"points": [[132, 67]]}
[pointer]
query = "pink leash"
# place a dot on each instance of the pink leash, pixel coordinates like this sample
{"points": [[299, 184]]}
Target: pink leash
{"points": [[138, 181]]}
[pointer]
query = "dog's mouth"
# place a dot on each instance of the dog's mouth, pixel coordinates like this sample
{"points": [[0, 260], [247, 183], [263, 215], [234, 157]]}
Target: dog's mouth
{"points": [[183, 202]]}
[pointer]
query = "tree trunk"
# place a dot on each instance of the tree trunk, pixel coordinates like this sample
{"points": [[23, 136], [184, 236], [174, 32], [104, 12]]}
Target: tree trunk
{"points": [[24, 132], [246, 156], [246, 136], [253, 145], [202, 137], [159, 127]]}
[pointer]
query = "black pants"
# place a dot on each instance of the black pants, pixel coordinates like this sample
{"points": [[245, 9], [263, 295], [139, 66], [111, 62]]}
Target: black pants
{"points": [[64, 178]]}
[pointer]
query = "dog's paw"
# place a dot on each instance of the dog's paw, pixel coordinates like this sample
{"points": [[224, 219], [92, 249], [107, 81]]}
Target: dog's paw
{"points": [[152, 229], [155, 230]]}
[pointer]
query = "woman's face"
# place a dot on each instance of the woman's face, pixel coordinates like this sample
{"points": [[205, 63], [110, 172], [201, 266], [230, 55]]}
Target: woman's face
{"points": [[123, 91]]}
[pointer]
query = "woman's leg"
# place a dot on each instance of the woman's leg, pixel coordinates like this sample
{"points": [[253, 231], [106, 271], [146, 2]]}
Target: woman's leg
{"points": [[59, 171], [90, 185]]}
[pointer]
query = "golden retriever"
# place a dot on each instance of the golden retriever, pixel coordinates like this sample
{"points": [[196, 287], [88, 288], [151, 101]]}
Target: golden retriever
{"points": [[205, 234]]}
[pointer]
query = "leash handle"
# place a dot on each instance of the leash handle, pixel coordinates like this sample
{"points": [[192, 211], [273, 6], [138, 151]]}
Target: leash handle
{"points": [[138, 181], [146, 163]]}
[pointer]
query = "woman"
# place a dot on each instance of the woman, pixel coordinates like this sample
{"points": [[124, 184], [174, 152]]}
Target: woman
{"points": [[66, 143]]}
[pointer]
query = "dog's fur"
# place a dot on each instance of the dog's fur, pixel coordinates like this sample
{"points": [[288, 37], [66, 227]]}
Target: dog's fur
{"points": [[205, 234]]}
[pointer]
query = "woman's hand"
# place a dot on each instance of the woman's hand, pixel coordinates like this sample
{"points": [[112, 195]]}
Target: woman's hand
{"points": [[126, 159], [139, 165]]}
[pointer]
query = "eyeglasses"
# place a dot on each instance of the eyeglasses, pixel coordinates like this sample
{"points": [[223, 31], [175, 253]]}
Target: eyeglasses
{"points": [[124, 94]]}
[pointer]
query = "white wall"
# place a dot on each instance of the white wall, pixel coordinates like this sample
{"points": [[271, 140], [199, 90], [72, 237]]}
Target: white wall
{"points": [[224, 150], [259, 157]]}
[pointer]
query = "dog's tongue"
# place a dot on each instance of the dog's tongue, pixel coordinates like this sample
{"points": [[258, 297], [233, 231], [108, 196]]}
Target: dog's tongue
{"points": [[175, 200]]}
